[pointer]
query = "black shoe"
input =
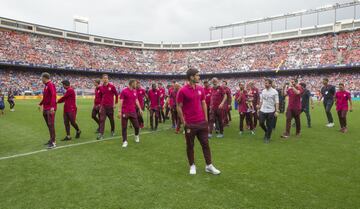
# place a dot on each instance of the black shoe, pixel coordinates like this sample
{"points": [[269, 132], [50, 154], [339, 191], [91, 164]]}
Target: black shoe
{"points": [[77, 134], [67, 138], [51, 145]]}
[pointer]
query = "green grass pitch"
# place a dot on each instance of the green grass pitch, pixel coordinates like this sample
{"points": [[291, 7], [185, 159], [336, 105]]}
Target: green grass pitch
{"points": [[319, 170]]}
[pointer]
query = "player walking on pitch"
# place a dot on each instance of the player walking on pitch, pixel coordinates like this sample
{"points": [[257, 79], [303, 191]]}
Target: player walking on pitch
{"points": [[192, 110]]}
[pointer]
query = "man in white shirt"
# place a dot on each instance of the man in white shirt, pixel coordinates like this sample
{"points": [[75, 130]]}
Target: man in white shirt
{"points": [[269, 109]]}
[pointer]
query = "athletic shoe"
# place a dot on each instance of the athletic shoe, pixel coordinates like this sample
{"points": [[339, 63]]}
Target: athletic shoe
{"points": [[177, 131], [345, 130], [125, 144], [78, 134], [52, 145], [137, 139], [12, 110], [220, 136], [211, 169], [192, 170], [252, 132], [330, 125], [240, 133], [99, 137], [284, 136], [67, 138], [112, 134]]}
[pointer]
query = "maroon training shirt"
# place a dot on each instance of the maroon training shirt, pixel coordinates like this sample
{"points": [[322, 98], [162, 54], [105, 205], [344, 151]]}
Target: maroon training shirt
{"points": [[154, 99], [241, 97], [208, 96], [217, 95], [49, 96], [97, 100], [70, 100], [140, 96], [107, 94], [295, 99], [191, 99], [129, 100]]}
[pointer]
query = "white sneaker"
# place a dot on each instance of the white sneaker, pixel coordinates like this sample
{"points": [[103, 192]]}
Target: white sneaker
{"points": [[12, 110], [137, 139], [211, 169], [240, 133], [252, 132], [125, 143], [192, 170], [330, 125]]}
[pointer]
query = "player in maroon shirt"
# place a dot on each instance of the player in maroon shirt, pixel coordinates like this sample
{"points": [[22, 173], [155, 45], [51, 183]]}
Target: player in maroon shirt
{"points": [[217, 105], [241, 98], [172, 104], [342, 98], [227, 108], [70, 110], [48, 106], [127, 111], [141, 94], [161, 91], [207, 90], [154, 107], [96, 108], [256, 101], [107, 94], [192, 110], [294, 92]]}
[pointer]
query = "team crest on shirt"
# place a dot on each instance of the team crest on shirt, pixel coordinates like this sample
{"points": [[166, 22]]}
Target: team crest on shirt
{"points": [[109, 89], [124, 115], [134, 94], [199, 92]]}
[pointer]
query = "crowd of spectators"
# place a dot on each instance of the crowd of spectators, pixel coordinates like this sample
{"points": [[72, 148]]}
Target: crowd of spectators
{"points": [[21, 81], [322, 50]]}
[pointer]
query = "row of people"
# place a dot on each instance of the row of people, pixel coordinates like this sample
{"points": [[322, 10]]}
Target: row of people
{"points": [[328, 49]]}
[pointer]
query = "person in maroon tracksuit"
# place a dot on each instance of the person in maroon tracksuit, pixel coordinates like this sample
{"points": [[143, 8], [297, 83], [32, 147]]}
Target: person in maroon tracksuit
{"points": [[217, 104], [48, 106], [95, 114], [141, 94], [107, 94], [172, 103], [227, 107], [70, 110], [255, 95], [127, 111], [192, 110], [207, 89], [241, 98], [154, 107], [294, 92], [162, 92]]}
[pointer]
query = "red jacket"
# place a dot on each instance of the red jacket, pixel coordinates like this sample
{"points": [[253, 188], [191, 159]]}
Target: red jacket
{"points": [[49, 96], [70, 100]]}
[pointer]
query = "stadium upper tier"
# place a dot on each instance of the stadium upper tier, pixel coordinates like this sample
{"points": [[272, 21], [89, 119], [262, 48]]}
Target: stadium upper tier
{"points": [[325, 46]]}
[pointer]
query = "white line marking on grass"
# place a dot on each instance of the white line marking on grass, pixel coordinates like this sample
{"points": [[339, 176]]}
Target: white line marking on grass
{"points": [[76, 144]]}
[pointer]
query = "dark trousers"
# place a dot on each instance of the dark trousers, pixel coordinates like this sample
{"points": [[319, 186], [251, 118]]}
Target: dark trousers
{"points": [[290, 114], [95, 115], [216, 116], [167, 111], [255, 118], [139, 117], [106, 112], [242, 117], [162, 115], [342, 118], [124, 121], [249, 117], [200, 131], [11, 103], [50, 122], [327, 106], [154, 112], [175, 118], [308, 117], [70, 118], [266, 121]]}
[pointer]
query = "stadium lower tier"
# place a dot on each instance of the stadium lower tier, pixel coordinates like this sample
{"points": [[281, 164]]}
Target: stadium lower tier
{"points": [[21, 81]]}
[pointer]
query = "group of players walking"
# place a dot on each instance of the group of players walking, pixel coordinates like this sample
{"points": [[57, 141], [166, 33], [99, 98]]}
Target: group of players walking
{"points": [[199, 109]]}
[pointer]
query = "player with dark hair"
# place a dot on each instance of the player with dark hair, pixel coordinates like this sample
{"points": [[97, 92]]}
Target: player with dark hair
{"points": [[227, 107], [294, 92], [342, 98], [70, 110], [95, 114], [241, 98], [192, 111], [127, 111], [141, 95], [306, 101], [107, 94], [217, 105], [154, 106], [48, 107], [161, 91], [328, 94], [207, 90]]}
